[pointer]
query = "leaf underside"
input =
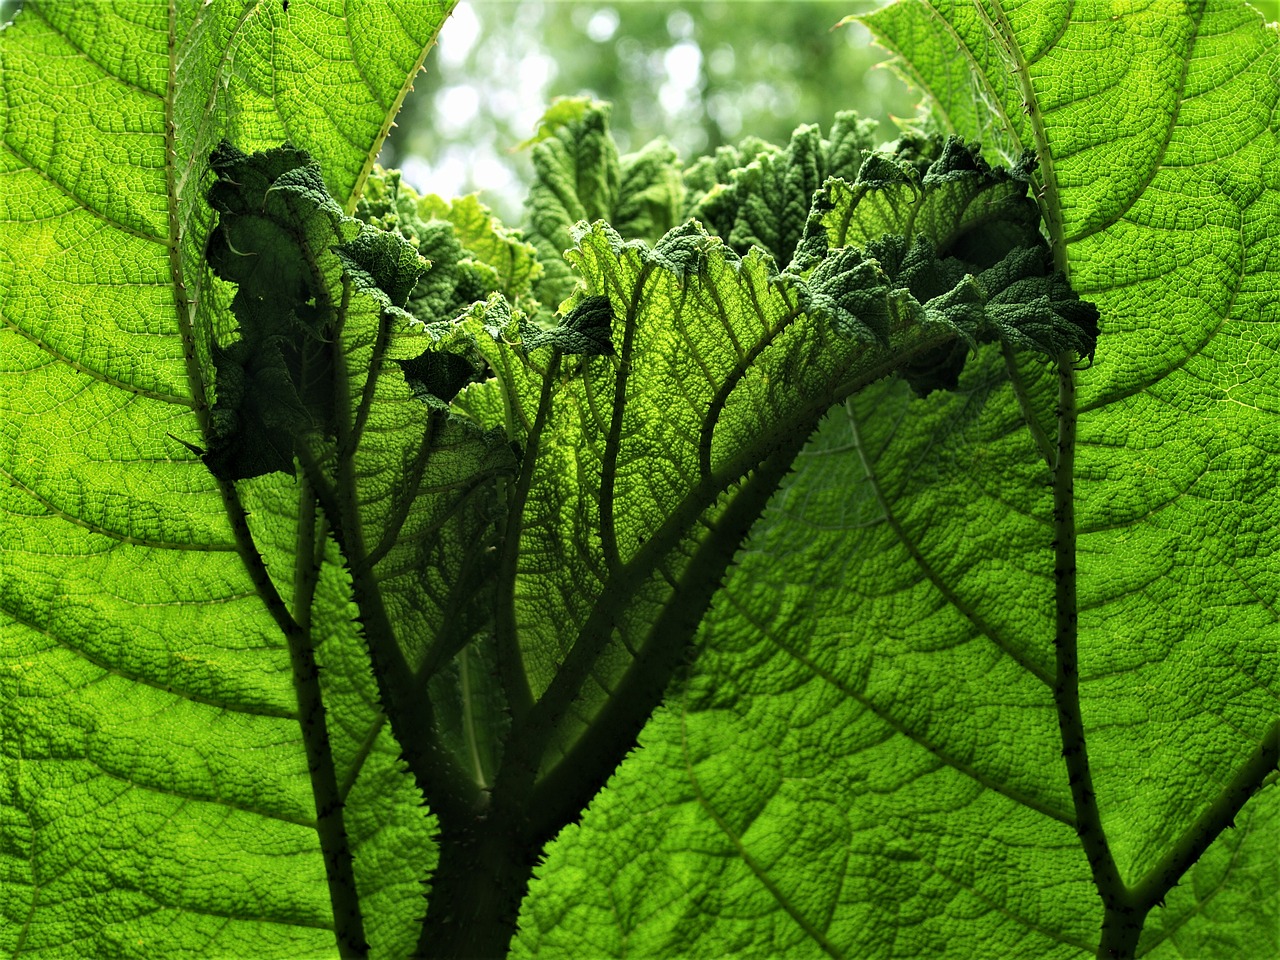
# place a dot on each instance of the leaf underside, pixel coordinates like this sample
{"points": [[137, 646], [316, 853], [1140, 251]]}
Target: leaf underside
{"points": [[863, 757], [156, 795], [870, 731]]}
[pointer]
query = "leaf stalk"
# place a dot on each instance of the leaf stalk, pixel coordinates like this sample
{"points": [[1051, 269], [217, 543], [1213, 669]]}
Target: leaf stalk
{"points": [[330, 820]]}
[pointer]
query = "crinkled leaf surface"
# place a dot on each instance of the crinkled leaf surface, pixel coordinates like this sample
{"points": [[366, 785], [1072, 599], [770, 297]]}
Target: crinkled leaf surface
{"points": [[581, 176], [155, 788], [763, 199], [857, 765], [866, 761], [701, 367]]}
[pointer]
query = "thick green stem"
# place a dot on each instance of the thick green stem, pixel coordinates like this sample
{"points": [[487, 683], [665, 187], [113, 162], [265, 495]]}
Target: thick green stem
{"points": [[1122, 925], [531, 733], [447, 788], [1125, 909], [481, 878], [1217, 817], [1121, 929], [564, 792]]}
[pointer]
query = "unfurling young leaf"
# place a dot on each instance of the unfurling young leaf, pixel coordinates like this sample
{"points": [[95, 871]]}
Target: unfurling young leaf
{"points": [[645, 464], [294, 257], [522, 619]]}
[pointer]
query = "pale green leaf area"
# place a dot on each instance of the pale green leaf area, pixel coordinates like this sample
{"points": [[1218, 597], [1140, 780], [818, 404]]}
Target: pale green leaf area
{"points": [[579, 175], [374, 576], [866, 759], [155, 789]]}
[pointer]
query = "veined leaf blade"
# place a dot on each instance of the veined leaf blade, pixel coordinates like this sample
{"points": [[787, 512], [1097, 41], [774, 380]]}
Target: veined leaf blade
{"points": [[902, 581], [156, 792]]}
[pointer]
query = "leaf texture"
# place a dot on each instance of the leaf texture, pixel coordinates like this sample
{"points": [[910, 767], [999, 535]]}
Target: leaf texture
{"points": [[579, 175], [156, 792], [865, 761], [757, 195], [715, 370]]}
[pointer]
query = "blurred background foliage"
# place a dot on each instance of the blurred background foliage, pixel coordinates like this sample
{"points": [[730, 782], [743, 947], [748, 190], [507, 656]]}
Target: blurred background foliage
{"points": [[701, 73]]}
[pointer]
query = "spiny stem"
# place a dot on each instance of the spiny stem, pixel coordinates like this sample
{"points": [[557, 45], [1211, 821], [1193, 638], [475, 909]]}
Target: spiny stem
{"points": [[1122, 926], [568, 787], [330, 822], [1219, 815], [449, 791]]}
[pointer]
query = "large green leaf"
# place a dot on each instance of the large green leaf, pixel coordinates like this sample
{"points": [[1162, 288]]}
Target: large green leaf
{"points": [[155, 773], [865, 758], [866, 761], [703, 367], [286, 525]]}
